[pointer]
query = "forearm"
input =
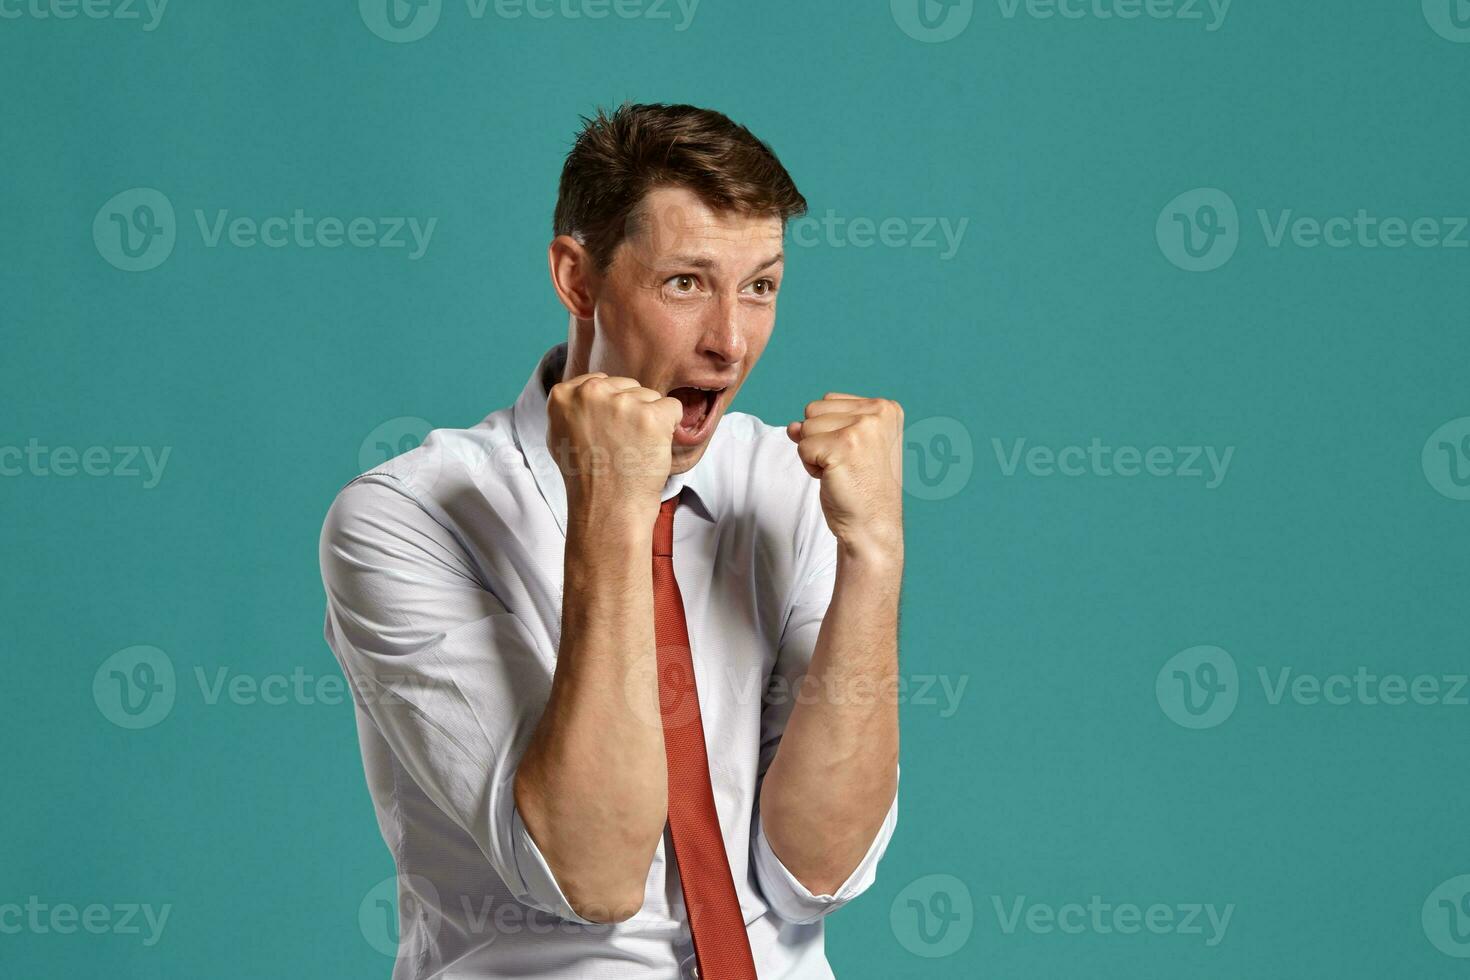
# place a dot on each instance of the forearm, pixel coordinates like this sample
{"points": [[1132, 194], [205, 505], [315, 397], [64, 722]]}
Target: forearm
{"points": [[835, 773], [592, 787]]}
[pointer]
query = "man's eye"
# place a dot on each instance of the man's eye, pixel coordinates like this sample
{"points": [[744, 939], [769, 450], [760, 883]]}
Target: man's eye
{"points": [[763, 287], [684, 284]]}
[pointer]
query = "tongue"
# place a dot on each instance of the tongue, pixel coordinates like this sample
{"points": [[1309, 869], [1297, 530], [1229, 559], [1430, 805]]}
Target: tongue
{"points": [[695, 404]]}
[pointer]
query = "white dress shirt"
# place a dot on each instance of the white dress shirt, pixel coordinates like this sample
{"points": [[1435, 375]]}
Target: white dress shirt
{"points": [[443, 575]]}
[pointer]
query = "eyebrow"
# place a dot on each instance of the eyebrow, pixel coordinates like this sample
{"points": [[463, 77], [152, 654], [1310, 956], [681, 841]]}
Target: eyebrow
{"points": [[705, 262]]}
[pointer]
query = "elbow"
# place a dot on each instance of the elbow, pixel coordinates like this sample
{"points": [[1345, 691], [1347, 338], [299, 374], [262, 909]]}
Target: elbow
{"points": [[600, 892], [608, 908], [605, 892], [602, 876], [822, 879]]}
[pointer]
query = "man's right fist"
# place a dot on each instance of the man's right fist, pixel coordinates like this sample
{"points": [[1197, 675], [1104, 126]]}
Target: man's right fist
{"points": [[612, 439]]}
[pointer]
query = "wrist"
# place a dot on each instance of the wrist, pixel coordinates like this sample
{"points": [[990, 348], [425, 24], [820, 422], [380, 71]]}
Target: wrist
{"points": [[617, 523], [874, 553]]}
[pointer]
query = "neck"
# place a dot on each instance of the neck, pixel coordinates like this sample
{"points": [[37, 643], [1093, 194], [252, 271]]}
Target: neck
{"points": [[579, 347]]}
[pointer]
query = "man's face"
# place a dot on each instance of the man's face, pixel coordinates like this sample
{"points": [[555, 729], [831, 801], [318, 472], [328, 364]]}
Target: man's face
{"points": [[688, 302]]}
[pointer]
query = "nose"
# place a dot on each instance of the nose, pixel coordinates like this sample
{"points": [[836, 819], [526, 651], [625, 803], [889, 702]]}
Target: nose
{"points": [[723, 336]]}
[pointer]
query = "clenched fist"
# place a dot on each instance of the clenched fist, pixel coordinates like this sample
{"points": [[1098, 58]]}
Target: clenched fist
{"points": [[855, 447], [612, 439]]}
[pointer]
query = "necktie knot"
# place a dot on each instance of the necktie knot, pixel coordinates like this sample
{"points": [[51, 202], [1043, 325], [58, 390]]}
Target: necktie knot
{"points": [[663, 528]]}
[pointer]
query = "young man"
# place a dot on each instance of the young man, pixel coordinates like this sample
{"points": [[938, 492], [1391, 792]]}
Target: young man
{"points": [[625, 661]]}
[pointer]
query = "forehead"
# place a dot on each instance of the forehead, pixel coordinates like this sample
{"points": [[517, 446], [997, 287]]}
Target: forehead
{"points": [[672, 220]]}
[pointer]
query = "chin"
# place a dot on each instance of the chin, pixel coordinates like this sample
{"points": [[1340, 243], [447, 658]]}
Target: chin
{"points": [[684, 457]]}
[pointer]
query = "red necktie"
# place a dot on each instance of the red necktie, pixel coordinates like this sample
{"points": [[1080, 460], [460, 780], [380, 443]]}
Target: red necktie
{"points": [[721, 945]]}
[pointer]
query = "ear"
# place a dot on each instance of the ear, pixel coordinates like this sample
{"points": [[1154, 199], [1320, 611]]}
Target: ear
{"points": [[573, 276]]}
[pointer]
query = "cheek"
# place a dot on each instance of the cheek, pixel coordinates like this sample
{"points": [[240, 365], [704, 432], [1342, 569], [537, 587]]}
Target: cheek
{"points": [[758, 328], [635, 329], [621, 318]]}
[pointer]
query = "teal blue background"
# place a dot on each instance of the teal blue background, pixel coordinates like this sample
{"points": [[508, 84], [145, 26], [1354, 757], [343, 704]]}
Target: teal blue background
{"points": [[1057, 600]]}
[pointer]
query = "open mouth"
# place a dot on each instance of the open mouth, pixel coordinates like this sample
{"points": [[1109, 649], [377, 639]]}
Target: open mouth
{"points": [[699, 409]]}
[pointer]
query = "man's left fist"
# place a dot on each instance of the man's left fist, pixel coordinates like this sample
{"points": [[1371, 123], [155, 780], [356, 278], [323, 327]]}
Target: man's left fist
{"points": [[855, 447]]}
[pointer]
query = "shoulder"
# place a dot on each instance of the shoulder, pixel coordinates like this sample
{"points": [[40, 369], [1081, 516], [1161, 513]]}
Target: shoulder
{"points": [[447, 458], [416, 486]]}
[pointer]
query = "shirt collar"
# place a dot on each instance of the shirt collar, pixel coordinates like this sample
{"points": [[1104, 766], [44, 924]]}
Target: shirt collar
{"points": [[529, 418]]}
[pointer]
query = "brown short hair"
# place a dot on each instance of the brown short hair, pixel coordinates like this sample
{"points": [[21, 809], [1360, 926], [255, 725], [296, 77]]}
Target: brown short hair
{"points": [[616, 160]]}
